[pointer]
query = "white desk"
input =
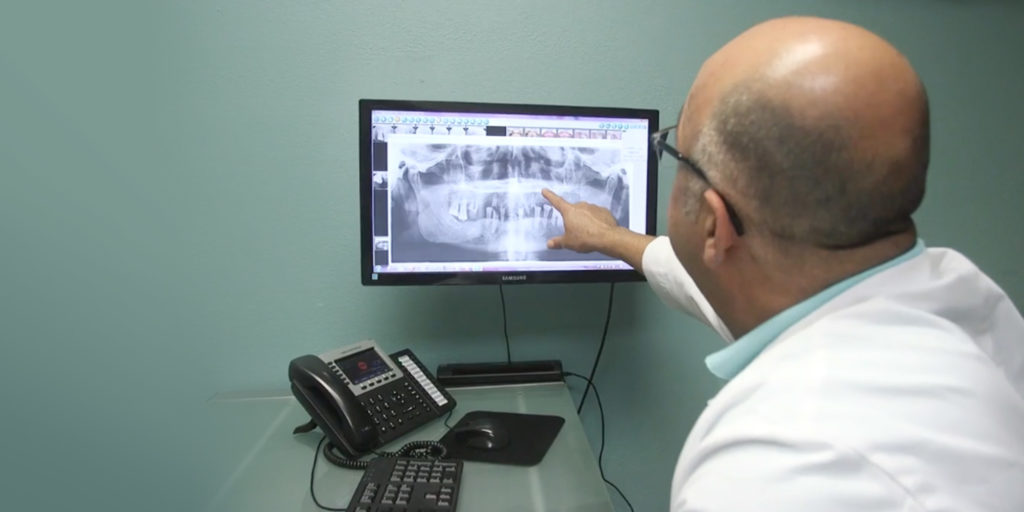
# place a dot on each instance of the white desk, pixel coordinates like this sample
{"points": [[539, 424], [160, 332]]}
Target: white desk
{"points": [[273, 466]]}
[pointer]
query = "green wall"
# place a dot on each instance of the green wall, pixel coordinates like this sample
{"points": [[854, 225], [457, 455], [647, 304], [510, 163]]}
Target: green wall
{"points": [[178, 210]]}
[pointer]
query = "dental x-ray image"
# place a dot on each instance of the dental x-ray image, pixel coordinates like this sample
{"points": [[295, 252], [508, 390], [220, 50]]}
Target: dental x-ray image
{"points": [[482, 203]]}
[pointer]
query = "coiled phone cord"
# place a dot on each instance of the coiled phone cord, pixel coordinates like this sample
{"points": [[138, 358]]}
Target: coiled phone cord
{"points": [[415, 449], [418, 449]]}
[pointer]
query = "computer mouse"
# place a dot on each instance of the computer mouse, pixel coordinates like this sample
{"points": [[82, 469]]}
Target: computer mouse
{"points": [[482, 434]]}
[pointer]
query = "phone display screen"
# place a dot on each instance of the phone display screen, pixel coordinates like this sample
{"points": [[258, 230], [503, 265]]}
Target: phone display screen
{"points": [[363, 366]]}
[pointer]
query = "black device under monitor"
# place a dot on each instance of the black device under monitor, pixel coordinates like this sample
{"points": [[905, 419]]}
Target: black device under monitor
{"points": [[450, 192], [496, 373], [362, 399]]}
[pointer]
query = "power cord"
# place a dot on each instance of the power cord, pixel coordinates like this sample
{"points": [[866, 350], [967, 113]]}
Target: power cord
{"points": [[312, 473], [504, 322], [600, 348], [600, 453]]}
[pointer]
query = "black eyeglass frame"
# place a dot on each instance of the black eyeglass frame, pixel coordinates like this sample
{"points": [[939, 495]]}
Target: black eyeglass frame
{"points": [[660, 145]]}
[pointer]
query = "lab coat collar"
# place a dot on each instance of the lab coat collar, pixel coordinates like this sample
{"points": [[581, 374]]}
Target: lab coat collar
{"points": [[731, 360]]}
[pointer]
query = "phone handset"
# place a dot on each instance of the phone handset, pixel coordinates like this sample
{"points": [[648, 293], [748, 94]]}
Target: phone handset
{"points": [[332, 405]]}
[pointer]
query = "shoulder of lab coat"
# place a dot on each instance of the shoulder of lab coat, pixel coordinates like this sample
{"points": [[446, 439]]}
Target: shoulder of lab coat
{"points": [[674, 286]]}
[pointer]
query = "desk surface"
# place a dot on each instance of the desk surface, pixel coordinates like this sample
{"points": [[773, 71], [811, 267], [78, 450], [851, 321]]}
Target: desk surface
{"points": [[272, 467]]}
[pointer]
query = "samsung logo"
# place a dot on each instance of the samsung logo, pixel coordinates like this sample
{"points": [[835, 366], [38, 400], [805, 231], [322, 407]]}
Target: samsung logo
{"points": [[519, 277]]}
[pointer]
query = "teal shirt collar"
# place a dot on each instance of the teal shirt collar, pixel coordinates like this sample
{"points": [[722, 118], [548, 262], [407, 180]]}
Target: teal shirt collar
{"points": [[731, 360]]}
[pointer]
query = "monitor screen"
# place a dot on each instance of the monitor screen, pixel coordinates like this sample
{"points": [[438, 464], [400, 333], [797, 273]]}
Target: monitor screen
{"points": [[450, 192]]}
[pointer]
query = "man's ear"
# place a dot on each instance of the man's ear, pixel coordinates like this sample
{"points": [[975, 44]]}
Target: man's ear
{"points": [[719, 233]]}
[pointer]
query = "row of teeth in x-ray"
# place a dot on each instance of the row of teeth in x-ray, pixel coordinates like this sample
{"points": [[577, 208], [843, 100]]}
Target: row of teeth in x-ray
{"points": [[470, 210]]}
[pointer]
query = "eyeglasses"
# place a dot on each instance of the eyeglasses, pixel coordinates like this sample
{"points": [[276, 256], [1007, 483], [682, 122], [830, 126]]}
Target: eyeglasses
{"points": [[660, 145]]}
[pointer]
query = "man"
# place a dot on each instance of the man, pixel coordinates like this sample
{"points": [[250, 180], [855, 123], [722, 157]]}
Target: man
{"points": [[867, 372]]}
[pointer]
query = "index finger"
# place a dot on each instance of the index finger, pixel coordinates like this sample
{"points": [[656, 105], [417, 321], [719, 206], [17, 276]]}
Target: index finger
{"points": [[555, 199]]}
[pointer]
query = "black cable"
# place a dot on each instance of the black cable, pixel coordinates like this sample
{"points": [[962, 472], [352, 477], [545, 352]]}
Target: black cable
{"points": [[600, 409], [415, 449], [600, 456], [600, 348], [504, 323], [312, 473], [446, 418]]}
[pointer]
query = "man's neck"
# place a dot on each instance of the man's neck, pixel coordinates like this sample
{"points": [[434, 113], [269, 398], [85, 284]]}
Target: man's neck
{"points": [[763, 291]]}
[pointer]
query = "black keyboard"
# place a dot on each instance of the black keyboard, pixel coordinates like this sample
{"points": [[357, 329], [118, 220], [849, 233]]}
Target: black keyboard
{"points": [[399, 484]]}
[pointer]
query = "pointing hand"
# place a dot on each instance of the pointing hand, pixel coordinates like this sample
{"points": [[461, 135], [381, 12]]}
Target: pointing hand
{"points": [[587, 226]]}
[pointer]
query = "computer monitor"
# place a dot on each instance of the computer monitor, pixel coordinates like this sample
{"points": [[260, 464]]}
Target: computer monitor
{"points": [[450, 192]]}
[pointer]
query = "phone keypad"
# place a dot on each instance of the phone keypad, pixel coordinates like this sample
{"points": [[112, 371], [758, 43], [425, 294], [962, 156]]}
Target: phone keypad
{"points": [[396, 409]]}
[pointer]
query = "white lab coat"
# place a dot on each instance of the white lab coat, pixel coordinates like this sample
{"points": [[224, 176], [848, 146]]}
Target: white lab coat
{"points": [[904, 393]]}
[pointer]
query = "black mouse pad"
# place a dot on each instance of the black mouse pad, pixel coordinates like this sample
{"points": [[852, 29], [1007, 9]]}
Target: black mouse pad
{"points": [[529, 437]]}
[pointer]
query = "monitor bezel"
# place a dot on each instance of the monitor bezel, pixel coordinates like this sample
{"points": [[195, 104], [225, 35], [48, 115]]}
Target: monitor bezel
{"points": [[367, 106]]}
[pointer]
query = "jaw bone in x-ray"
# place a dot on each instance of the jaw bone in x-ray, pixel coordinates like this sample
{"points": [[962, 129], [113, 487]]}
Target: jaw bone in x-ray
{"points": [[455, 202]]}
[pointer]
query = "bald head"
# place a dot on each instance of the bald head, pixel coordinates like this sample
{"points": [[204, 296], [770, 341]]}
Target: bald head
{"points": [[817, 130]]}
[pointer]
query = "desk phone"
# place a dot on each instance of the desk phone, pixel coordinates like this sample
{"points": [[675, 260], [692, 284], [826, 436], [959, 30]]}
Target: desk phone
{"points": [[362, 398]]}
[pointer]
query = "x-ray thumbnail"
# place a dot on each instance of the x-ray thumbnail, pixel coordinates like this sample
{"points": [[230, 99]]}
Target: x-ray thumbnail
{"points": [[478, 203]]}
